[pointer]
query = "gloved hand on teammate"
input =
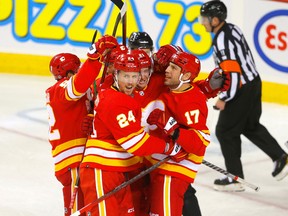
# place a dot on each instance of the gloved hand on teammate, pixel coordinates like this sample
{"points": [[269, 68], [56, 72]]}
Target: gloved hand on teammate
{"points": [[215, 79], [169, 127], [175, 151], [102, 47], [171, 133], [162, 57], [87, 124], [212, 84]]}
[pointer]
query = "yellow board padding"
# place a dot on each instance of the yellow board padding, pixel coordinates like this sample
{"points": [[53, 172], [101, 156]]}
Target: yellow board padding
{"points": [[25, 64], [39, 65], [275, 92]]}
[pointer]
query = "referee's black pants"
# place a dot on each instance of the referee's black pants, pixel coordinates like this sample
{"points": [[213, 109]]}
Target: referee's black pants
{"points": [[241, 116]]}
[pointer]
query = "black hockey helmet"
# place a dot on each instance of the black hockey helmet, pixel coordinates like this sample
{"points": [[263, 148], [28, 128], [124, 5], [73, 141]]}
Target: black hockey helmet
{"points": [[214, 8], [140, 40]]}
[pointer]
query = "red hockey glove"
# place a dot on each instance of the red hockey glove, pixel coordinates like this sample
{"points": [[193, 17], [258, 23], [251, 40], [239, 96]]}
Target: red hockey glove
{"points": [[162, 57], [175, 151], [171, 130], [212, 84], [157, 117], [87, 124], [99, 49]]}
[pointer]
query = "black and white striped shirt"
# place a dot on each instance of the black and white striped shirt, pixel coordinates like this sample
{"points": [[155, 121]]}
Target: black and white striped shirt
{"points": [[232, 54]]}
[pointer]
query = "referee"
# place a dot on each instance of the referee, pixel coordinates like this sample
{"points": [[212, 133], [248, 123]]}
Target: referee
{"points": [[240, 106]]}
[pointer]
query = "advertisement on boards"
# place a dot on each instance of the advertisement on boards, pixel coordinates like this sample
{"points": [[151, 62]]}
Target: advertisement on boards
{"points": [[35, 30], [265, 27]]}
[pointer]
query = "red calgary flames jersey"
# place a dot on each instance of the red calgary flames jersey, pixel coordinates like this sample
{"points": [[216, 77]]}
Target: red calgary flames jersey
{"points": [[147, 97], [118, 134], [190, 110], [67, 105]]}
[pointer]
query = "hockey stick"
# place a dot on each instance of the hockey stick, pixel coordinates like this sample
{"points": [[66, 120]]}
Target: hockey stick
{"points": [[119, 187], [75, 191], [124, 24], [123, 8], [94, 37], [94, 83], [118, 3], [236, 178]]}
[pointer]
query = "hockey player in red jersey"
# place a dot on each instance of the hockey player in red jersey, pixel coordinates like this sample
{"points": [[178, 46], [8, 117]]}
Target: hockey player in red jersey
{"points": [[117, 141], [66, 110], [146, 96], [151, 85], [68, 103], [186, 103]]}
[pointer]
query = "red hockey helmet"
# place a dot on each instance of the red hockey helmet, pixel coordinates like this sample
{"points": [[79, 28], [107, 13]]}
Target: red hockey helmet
{"points": [[127, 62], [144, 59], [188, 63], [116, 52], [62, 63]]}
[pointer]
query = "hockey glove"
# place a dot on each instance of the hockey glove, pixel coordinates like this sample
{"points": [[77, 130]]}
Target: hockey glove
{"points": [[171, 130], [169, 127], [99, 49], [87, 124], [162, 57], [175, 151], [212, 84], [215, 79]]}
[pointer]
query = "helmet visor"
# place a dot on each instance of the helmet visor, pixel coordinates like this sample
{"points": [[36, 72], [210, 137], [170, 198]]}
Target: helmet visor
{"points": [[203, 19]]}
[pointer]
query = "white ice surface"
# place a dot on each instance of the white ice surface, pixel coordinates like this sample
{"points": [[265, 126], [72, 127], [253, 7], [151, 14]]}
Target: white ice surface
{"points": [[28, 186]]}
